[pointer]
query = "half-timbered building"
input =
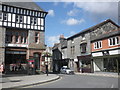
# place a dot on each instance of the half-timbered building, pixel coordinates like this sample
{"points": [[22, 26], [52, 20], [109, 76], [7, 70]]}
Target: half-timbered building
{"points": [[22, 27]]}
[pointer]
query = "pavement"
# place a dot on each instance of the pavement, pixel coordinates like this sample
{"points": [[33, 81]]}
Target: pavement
{"points": [[105, 74], [18, 81]]}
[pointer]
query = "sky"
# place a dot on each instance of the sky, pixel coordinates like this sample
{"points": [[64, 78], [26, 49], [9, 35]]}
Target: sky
{"points": [[69, 18]]}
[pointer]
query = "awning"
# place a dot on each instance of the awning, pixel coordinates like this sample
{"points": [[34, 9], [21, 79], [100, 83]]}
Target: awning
{"points": [[84, 57]]}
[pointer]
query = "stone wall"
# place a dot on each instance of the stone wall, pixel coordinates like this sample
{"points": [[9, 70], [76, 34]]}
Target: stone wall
{"points": [[2, 44]]}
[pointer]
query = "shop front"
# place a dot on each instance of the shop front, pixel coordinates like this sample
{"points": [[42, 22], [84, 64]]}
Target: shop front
{"points": [[107, 61], [15, 61], [85, 63]]}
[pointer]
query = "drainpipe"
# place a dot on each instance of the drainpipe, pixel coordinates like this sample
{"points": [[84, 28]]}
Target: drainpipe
{"points": [[117, 66]]}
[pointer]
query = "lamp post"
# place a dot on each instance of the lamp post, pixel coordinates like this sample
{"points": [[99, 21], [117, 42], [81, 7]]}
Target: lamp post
{"points": [[46, 55]]}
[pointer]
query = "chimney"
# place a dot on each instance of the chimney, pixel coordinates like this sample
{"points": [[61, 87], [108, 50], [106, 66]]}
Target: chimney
{"points": [[62, 38]]}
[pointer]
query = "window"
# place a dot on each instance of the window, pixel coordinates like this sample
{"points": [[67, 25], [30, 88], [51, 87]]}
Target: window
{"points": [[0, 16], [33, 20], [72, 50], [83, 47], [36, 37], [4, 8], [8, 37], [113, 41], [17, 38], [8, 9], [5, 16], [25, 39], [11, 9], [19, 18], [98, 45], [14, 10], [22, 39]]}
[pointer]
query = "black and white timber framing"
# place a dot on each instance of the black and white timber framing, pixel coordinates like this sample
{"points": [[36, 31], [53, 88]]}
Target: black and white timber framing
{"points": [[19, 17]]}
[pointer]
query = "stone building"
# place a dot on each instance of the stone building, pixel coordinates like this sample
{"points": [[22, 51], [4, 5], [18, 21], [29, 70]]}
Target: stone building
{"points": [[79, 46], [79, 51], [60, 54], [105, 47], [22, 28]]}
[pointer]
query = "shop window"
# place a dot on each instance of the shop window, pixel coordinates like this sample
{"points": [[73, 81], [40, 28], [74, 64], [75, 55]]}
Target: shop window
{"points": [[83, 48], [113, 41], [25, 39], [98, 45], [22, 40], [17, 38]]}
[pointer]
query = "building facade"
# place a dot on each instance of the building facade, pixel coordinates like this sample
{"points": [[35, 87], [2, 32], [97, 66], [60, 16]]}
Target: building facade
{"points": [[60, 58], [105, 48], [79, 51], [22, 27], [83, 51]]}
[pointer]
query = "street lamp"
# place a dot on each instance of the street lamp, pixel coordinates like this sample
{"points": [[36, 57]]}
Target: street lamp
{"points": [[46, 55]]}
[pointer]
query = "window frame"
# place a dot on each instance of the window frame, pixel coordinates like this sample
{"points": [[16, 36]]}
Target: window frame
{"points": [[98, 45], [113, 41]]}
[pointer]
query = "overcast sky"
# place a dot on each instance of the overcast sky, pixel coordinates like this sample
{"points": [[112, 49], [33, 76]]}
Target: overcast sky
{"points": [[69, 18]]}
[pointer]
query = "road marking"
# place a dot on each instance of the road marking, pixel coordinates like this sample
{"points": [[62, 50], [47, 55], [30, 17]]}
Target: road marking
{"points": [[42, 83]]}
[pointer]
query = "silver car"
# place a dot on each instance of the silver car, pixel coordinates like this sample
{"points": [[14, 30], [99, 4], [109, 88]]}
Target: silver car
{"points": [[66, 70]]}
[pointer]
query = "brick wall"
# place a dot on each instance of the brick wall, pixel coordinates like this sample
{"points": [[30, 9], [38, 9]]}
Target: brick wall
{"points": [[105, 45]]}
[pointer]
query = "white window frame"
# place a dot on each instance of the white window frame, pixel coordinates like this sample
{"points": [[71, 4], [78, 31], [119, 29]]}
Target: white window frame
{"points": [[115, 41], [95, 45]]}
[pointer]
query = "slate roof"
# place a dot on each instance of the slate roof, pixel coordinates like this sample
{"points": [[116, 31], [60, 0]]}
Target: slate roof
{"points": [[28, 5], [106, 35], [92, 28]]}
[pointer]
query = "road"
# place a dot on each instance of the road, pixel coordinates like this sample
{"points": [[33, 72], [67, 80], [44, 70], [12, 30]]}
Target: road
{"points": [[80, 81]]}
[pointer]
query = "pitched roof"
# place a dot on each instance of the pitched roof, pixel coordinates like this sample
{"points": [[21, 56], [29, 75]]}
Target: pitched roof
{"points": [[93, 27], [106, 35], [28, 5]]}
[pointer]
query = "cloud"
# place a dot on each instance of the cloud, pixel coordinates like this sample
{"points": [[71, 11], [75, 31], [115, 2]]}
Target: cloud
{"points": [[99, 9], [51, 13], [73, 21], [52, 39], [73, 12]]}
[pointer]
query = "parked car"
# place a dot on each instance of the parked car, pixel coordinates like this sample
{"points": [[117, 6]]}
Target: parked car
{"points": [[66, 70]]}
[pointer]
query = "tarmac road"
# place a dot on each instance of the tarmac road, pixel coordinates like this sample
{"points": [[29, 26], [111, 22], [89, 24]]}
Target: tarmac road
{"points": [[80, 81]]}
